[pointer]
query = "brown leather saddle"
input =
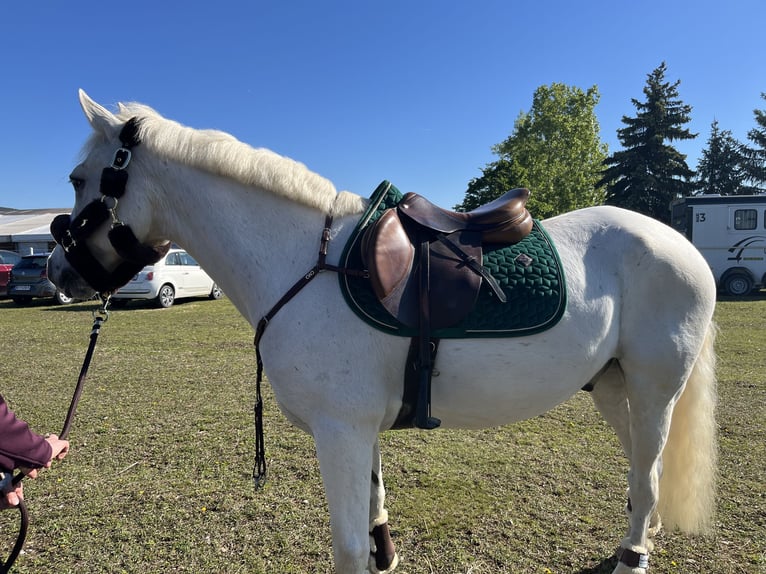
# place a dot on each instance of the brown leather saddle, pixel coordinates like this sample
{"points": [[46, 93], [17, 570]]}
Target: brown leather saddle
{"points": [[425, 266]]}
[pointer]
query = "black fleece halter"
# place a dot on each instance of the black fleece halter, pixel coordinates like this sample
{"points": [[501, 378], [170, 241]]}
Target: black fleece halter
{"points": [[72, 233]]}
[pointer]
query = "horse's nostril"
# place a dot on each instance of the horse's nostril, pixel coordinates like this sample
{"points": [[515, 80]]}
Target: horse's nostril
{"points": [[69, 281]]}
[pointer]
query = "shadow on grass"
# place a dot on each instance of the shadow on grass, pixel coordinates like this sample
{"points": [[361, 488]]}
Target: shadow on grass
{"points": [[754, 296], [36, 303], [46, 304], [606, 566], [152, 303]]}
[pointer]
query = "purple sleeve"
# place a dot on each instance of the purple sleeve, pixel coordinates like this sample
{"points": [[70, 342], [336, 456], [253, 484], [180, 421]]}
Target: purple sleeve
{"points": [[19, 446]]}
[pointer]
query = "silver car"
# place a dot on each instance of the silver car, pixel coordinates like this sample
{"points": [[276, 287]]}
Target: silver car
{"points": [[174, 276]]}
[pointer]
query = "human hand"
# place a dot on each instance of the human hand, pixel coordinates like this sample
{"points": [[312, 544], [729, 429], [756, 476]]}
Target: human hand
{"points": [[11, 495], [59, 448]]}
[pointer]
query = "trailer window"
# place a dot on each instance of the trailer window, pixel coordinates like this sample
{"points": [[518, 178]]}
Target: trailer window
{"points": [[745, 219]]}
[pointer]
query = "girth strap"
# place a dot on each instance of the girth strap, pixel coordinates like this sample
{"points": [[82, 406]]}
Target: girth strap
{"points": [[406, 418], [423, 418]]}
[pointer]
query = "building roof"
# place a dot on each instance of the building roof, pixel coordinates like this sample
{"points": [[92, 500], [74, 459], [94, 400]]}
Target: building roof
{"points": [[27, 224]]}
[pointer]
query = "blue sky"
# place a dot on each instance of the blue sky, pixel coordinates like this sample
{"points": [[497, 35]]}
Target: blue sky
{"points": [[414, 91]]}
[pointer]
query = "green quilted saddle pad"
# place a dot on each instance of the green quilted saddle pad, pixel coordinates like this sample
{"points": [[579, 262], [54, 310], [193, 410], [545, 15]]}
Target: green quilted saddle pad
{"points": [[529, 272]]}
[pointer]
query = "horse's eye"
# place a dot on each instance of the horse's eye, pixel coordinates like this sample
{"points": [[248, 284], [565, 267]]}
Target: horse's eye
{"points": [[77, 183]]}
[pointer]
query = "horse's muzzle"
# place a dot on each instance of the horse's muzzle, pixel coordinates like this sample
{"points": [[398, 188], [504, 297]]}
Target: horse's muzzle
{"points": [[63, 276]]}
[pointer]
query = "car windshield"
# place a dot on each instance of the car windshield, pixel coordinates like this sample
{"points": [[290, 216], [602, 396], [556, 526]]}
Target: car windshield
{"points": [[32, 263]]}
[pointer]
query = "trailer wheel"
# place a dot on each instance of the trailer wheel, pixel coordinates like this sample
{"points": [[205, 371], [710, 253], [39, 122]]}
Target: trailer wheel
{"points": [[738, 284]]}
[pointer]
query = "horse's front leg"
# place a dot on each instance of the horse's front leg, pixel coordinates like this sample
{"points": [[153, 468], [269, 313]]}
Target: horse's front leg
{"points": [[345, 459], [383, 558]]}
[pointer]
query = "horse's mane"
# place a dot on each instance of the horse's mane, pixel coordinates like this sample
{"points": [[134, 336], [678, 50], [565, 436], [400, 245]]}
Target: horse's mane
{"points": [[222, 154]]}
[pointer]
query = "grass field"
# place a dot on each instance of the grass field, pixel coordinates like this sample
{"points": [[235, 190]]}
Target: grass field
{"points": [[159, 475]]}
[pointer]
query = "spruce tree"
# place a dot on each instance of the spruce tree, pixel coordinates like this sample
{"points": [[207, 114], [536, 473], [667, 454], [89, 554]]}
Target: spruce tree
{"points": [[649, 173], [719, 170], [755, 157]]}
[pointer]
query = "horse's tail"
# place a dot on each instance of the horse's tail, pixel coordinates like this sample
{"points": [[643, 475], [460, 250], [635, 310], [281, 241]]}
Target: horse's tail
{"points": [[690, 458]]}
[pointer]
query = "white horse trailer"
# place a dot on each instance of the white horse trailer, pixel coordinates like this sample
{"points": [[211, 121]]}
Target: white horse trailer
{"points": [[730, 232]]}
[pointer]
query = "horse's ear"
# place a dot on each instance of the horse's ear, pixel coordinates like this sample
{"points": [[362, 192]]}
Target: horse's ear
{"points": [[101, 119]]}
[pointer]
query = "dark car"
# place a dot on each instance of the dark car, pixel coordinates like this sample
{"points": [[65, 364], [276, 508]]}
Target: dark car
{"points": [[7, 260], [29, 278]]}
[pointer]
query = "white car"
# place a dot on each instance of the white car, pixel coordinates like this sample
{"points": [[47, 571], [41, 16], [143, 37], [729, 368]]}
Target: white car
{"points": [[174, 276]]}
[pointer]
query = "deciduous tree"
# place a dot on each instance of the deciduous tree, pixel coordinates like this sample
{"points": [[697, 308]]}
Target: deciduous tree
{"points": [[555, 150]]}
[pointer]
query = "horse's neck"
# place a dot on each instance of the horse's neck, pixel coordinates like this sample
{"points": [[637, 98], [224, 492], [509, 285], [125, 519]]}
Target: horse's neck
{"points": [[253, 243]]}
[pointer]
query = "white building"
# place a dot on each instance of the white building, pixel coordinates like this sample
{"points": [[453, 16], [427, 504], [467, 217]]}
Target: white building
{"points": [[27, 231]]}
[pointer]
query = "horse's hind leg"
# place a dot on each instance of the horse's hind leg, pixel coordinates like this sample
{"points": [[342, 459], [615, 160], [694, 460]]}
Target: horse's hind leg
{"points": [[611, 399], [650, 411], [383, 558]]}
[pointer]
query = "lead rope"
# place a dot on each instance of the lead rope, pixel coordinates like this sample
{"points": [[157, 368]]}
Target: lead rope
{"points": [[259, 466], [99, 318]]}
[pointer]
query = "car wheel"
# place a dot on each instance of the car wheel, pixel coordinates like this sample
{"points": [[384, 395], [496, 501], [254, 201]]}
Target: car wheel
{"points": [[215, 292], [62, 299], [166, 297], [738, 284]]}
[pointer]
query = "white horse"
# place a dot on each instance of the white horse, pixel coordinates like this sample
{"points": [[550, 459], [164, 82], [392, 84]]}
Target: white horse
{"points": [[638, 325]]}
